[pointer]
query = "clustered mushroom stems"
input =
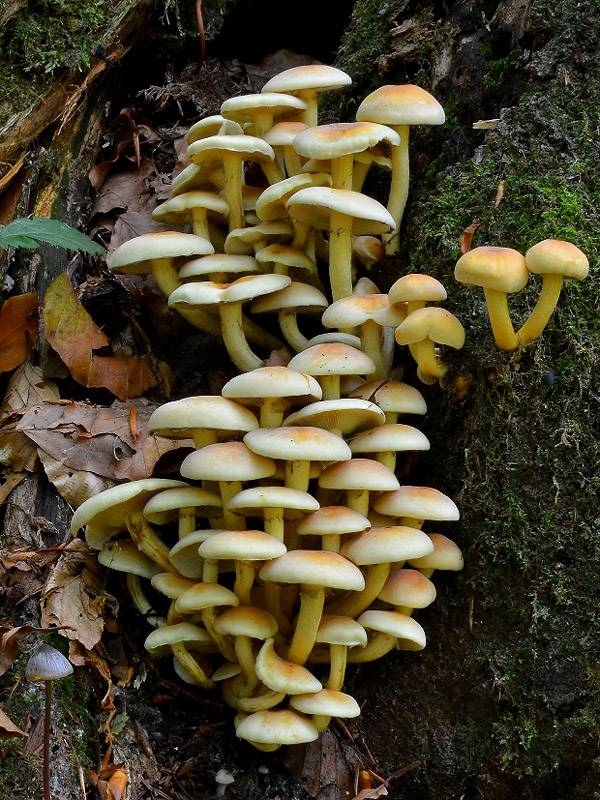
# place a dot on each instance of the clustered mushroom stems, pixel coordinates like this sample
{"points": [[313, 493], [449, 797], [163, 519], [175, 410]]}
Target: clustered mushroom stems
{"points": [[316, 589]]}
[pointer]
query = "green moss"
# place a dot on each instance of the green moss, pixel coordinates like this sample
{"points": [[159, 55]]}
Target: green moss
{"points": [[43, 38]]}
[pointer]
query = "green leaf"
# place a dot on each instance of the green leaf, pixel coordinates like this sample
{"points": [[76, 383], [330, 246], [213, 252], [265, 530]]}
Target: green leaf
{"points": [[31, 232]]}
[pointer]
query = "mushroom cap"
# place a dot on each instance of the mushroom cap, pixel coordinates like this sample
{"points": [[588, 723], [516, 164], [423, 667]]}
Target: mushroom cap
{"points": [[165, 506], [417, 502], [205, 595], [281, 675], [392, 396], [47, 664], [300, 296], [332, 358], [123, 555], [277, 726], [227, 461], [327, 702], [213, 148], [262, 497], [383, 545], [445, 555], [335, 629], [356, 309], [408, 588], [178, 418], [332, 520], [246, 621], [179, 209], [401, 105], [171, 584], [205, 176], [315, 204], [195, 638], [136, 255], [344, 415], [308, 76], [416, 286], [286, 255], [359, 474], [407, 630], [314, 568], [437, 324], [110, 507], [342, 138], [218, 262], [556, 257], [298, 443], [270, 382], [203, 293], [243, 241], [242, 545], [389, 437], [184, 554], [499, 268], [282, 133], [211, 126], [272, 202], [244, 108]]}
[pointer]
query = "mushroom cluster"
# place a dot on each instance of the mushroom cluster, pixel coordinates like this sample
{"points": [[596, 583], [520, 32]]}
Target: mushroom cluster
{"points": [[288, 548]]}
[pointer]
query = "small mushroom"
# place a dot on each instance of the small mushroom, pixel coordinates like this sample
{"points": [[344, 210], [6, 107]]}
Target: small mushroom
{"points": [[47, 664]]}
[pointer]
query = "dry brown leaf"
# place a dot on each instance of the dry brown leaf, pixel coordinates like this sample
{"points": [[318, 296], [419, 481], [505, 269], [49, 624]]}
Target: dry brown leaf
{"points": [[87, 438], [8, 728], [372, 794], [26, 387], [73, 596], [74, 486], [19, 329], [74, 335], [9, 643]]}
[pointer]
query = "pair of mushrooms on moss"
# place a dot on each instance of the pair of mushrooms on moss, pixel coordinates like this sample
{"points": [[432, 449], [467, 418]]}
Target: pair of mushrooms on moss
{"points": [[330, 571], [255, 250], [502, 270]]}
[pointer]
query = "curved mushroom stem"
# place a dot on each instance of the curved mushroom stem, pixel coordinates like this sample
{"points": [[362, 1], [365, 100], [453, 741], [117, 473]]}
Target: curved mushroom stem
{"points": [[424, 354], [232, 331], [141, 602], [338, 654], [232, 190], [309, 618], [288, 324], [148, 541], [371, 344], [378, 646], [245, 655], [189, 663], [398, 188], [357, 602], [542, 311], [502, 327], [244, 580]]}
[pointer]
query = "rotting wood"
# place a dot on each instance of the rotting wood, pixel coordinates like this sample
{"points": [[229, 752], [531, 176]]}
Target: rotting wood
{"points": [[62, 100]]}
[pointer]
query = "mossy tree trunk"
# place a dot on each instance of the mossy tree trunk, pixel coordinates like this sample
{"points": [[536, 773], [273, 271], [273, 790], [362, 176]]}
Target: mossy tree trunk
{"points": [[504, 701]]}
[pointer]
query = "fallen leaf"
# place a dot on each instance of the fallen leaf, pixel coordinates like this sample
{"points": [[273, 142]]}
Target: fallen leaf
{"points": [[8, 728], [467, 236], [18, 329], [499, 193], [9, 643], [74, 335], [73, 596], [379, 791]]}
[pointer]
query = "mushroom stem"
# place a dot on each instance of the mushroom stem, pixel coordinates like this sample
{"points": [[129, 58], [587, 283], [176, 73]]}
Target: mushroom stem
{"points": [[232, 331], [340, 255], [378, 646], [370, 338], [357, 602], [398, 188], [288, 324], [189, 663], [339, 657], [502, 327], [46, 766], [542, 311], [148, 542], [309, 618]]}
